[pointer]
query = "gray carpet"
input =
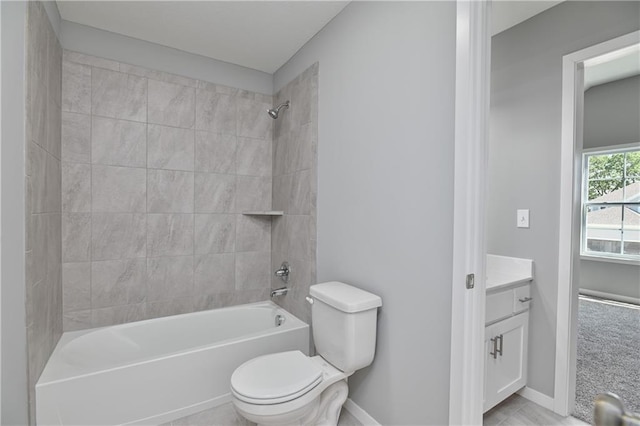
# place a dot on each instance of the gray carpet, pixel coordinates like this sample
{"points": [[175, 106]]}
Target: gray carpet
{"points": [[608, 355]]}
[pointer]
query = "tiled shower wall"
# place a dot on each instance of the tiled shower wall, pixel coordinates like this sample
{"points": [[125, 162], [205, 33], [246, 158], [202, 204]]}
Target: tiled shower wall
{"points": [[156, 172], [295, 149], [42, 184]]}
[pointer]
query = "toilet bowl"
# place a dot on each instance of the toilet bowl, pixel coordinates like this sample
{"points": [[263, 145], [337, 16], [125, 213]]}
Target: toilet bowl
{"points": [[291, 388]]}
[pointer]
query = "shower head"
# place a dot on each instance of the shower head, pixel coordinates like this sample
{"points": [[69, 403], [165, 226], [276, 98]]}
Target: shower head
{"points": [[273, 112]]}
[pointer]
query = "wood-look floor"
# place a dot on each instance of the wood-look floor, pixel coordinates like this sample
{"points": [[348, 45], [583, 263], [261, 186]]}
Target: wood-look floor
{"points": [[518, 411]]}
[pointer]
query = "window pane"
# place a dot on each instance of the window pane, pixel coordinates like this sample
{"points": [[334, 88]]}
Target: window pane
{"points": [[603, 231], [632, 190], [631, 226], [605, 190], [606, 177]]}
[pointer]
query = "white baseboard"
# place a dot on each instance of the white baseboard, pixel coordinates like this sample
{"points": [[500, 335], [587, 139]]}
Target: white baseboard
{"points": [[537, 397], [610, 296], [359, 414]]}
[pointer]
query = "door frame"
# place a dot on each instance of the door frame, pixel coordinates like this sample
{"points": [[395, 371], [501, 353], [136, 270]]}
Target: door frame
{"points": [[570, 216], [472, 83]]}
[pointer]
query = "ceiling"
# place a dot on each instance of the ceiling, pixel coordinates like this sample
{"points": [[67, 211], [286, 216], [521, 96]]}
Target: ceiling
{"points": [[261, 35], [506, 14], [612, 66]]}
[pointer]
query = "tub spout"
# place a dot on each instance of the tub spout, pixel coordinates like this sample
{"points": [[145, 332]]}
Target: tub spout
{"points": [[279, 292]]}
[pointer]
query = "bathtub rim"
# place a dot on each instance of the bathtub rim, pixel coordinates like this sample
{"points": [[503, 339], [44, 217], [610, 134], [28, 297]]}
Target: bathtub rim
{"points": [[67, 337]]}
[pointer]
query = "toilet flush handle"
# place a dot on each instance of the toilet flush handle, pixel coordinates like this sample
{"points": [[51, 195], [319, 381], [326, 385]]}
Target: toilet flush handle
{"points": [[309, 299]]}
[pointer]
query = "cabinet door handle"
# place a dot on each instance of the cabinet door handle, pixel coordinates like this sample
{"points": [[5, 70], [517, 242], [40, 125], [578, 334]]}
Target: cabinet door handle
{"points": [[500, 350], [526, 299], [494, 340]]}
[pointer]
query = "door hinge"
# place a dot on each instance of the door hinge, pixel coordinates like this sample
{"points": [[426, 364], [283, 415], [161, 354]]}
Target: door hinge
{"points": [[471, 278]]}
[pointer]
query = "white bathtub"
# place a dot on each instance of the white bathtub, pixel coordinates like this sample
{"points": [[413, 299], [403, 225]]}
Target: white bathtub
{"points": [[154, 371]]}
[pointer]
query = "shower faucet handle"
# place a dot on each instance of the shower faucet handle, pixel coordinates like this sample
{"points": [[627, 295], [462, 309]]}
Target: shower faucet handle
{"points": [[283, 272]]}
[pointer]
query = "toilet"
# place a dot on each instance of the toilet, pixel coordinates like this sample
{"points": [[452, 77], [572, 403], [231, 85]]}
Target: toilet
{"points": [[291, 388]]}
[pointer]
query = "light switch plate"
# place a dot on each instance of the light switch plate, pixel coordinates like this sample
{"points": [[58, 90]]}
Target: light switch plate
{"points": [[523, 218]]}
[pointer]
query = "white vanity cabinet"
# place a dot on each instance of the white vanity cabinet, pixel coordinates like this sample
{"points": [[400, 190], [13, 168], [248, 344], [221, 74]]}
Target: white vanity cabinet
{"points": [[505, 361], [506, 327]]}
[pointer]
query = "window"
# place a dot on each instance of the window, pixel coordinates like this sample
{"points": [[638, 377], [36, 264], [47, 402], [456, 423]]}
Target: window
{"points": [[611, 204]]}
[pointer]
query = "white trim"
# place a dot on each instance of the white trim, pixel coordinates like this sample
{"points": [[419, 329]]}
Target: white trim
{"points": [[569, 237], [538, 397], [610, 296], [610, 259], [359, 414], [473, 45]]}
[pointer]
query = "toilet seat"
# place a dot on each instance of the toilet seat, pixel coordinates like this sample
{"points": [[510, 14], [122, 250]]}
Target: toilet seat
{"points": [[275, 378]]}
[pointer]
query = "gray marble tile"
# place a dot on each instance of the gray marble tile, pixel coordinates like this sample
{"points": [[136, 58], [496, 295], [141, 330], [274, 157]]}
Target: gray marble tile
{"points": [[76, 187], [118, 282], [279, 237], [118, 236], [76, 137], [76, 286], [169, 278], [299, 238], [54, 59], [77, 320], [215, 233], [253, 270], [46, 181], [300, 152], [118, 189], [169, 234], [214, 273], [217, 88], [158, 75], [253, 120], [253, 233], [53, 131], [76, 88], [215, 193], [165, 308], [170, 148], [94, 61], [118, 315], [300, 193], [171, 104], [118, 95], [76, 237], [280, 154], [254, 157], [118, 142], [253, 193], [215, 153], [215, 112], [36, 113], [282, 192], [169, 191]]}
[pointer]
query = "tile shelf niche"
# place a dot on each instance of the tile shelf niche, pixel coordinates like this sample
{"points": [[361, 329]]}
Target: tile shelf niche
{"points": [[264, 213]]}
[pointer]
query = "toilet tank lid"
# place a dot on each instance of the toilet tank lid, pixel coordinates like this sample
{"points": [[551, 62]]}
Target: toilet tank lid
{"points": [[344, 297]]}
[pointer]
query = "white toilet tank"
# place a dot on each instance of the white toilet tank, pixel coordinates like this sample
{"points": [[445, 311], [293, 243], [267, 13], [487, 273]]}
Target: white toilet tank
{"points": [[344, 324]]}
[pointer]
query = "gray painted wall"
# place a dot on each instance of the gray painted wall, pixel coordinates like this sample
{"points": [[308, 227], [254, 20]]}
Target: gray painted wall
{"points": [[105, 44], [614, 278], [611, 113], [14, 337], [385, 190], [524, 157]]}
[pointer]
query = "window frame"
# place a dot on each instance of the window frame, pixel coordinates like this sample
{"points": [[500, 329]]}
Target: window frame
{"points": [[585, 203]]}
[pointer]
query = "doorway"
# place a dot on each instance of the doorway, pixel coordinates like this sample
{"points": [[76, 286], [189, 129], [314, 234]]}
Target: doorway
{"points": [[573, 213]]}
